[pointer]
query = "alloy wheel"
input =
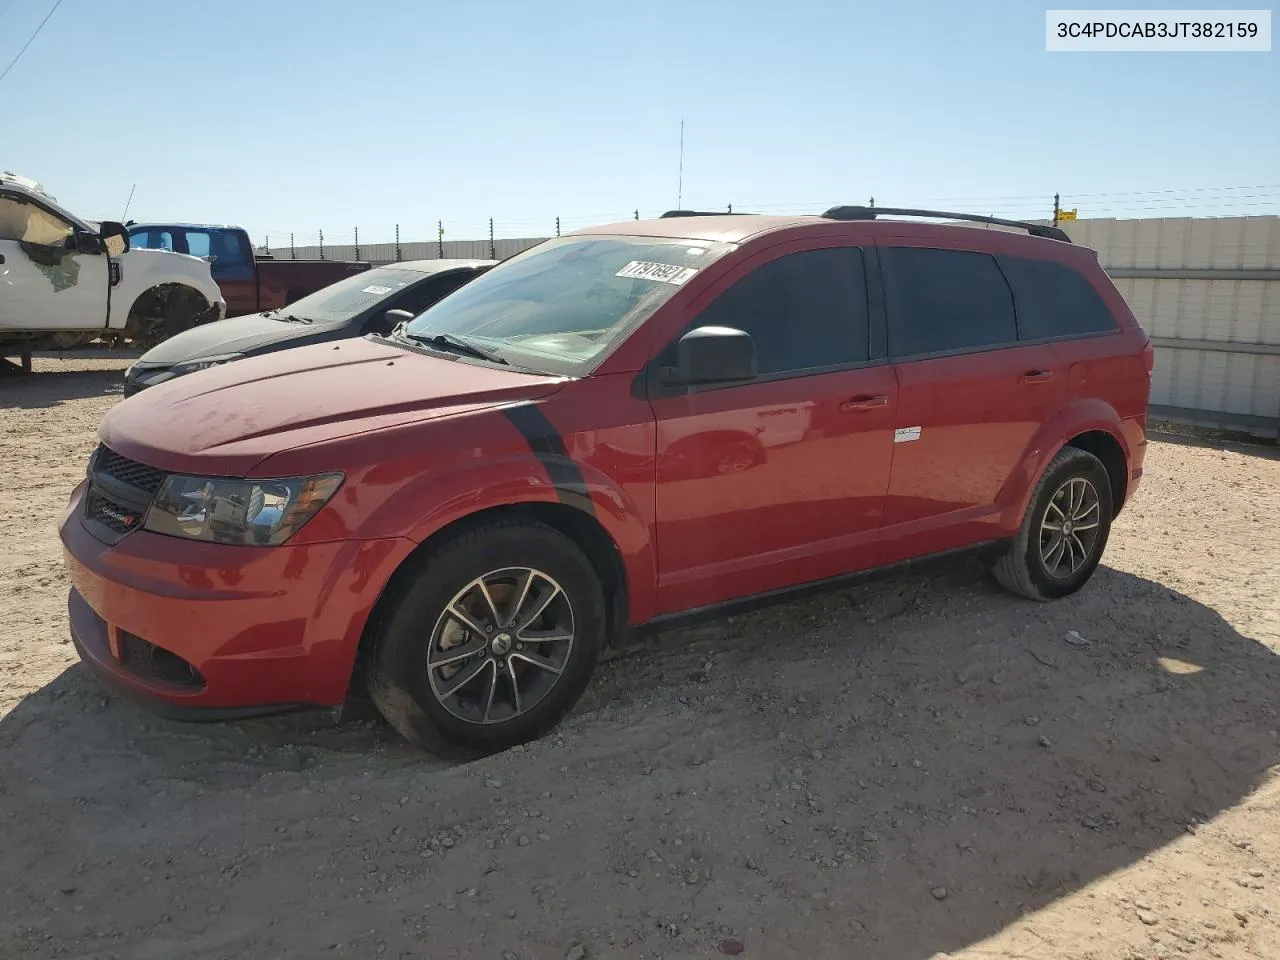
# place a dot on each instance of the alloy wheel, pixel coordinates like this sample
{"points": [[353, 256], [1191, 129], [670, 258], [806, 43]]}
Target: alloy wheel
{"points": [[1070, 527], [500, 645]]}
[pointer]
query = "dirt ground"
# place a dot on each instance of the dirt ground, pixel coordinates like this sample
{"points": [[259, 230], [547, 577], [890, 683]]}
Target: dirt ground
{"points": [[927, 766]]}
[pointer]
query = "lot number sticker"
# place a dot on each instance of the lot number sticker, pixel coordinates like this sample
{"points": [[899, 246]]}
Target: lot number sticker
{"points": [[662, 272], [376, 290]]}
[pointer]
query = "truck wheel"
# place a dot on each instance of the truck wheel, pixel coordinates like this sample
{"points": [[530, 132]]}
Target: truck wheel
{"points": [[1064, 531], [488, 641]]}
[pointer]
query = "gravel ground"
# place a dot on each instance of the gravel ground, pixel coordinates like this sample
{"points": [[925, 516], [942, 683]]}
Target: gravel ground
{"points": [[926, 766]]}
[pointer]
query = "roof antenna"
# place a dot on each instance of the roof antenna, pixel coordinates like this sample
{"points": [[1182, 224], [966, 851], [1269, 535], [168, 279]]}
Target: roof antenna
{"points": [[680, 189], [127, 202]]}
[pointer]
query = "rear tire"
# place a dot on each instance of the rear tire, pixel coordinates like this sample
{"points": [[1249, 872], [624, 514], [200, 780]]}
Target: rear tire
{"points": [[1044, 562], [480, 680]]}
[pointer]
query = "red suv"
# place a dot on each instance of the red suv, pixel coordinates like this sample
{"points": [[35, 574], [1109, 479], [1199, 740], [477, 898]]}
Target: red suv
{"points": [[616, 430]]}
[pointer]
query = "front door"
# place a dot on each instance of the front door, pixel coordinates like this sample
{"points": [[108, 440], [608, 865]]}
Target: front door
{"points": [[971, 397], [44, 285], [782, 480]]}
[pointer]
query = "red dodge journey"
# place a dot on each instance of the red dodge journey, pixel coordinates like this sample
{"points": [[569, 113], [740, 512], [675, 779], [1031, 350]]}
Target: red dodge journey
{"points": [[615, 430]]}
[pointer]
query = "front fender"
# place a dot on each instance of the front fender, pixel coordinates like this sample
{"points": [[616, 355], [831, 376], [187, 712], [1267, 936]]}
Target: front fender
{"points": [[143, 270], [437, 499], [1079, 416]]}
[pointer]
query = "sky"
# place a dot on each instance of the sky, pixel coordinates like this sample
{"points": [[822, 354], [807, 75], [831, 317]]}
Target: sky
{"points": [[309, 115]]}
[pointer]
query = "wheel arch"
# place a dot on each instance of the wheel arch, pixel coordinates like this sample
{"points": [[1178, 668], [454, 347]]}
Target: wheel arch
{"points": [[160, 291], [1106, 447], [1088, 424], [576, 522]]}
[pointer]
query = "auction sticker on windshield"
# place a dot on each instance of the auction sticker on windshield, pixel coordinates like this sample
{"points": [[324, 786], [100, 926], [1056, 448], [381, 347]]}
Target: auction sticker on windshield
{"points": [[376, 290], [662, 272]]}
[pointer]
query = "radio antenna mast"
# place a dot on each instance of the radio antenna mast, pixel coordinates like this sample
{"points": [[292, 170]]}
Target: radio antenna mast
{"points": [[680, 188], [127, 202]]}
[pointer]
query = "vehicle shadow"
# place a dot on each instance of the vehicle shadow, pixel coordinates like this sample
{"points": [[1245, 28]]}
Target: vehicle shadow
{"points": [[53, 383], [1236, 443], [889, 771]]}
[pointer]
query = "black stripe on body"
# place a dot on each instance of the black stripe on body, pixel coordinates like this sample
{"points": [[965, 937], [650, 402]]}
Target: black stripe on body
{"points": [[548, 446]]}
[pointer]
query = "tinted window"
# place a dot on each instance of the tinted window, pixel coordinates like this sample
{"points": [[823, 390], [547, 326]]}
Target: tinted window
{"points": [[1053, 300], [422, 296], [803, 310], [198, 243], [941, 300], [151, 239]]}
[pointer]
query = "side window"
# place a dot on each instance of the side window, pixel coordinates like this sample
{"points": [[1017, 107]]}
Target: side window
{"points": [[803, 310], [27, 222], [151, 239], [945, 300], [198, 244], [425, 294], [13, 218], [1054, 301], [232, 256]]}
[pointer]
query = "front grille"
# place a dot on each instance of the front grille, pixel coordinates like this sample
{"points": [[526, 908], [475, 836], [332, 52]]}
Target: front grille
{"points": [[119, 493], [139, 475], [116, 517], [150, 662]]}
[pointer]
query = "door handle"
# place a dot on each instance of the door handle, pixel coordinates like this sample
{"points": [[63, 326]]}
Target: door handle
{"points": [[1036, 376], [865, 402], [1, 258]]}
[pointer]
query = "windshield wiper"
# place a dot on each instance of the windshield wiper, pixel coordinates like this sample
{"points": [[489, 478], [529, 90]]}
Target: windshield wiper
{"points": [[293, 318], [448, 341]]}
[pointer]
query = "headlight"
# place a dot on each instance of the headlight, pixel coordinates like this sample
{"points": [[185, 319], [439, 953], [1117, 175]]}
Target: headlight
{"points": [[191, 366], [247, 512]]}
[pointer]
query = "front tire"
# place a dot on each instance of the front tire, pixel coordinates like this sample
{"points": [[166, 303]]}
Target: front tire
{"points": [[1064, 531], [489, 640]]}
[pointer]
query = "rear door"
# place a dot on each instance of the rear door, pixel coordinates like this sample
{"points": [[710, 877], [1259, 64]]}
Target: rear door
{"points": [[971, 396], [1060, 306], [781, 480]]}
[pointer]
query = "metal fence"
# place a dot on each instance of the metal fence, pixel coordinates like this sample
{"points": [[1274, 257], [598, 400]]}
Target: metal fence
{"points": [[1207, 290]]}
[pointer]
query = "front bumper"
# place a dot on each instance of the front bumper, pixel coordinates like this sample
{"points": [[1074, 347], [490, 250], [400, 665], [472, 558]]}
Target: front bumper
{"points": [[261, 628]]}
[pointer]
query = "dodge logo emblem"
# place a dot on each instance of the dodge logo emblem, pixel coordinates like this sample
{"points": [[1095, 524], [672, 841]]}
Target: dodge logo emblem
{"points": [[127, 519]]}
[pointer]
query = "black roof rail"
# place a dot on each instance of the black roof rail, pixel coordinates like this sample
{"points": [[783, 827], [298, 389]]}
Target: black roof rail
{"points": [[704, 213], [870, 213]]}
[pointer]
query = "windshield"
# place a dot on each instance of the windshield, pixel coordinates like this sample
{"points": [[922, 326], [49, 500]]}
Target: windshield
{"points": [[353, 295], [561, 306]]}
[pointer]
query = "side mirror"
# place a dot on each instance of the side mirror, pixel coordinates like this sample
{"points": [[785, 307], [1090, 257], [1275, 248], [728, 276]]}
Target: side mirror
{"points": [[714, 355], [115, 238], [390, 320], [82, 241]]}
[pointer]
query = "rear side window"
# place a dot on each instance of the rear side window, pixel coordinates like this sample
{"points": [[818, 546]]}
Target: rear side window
{"points": [[151, 239], [945, 300], [198, 243], [803, 310], [1054, 301]]}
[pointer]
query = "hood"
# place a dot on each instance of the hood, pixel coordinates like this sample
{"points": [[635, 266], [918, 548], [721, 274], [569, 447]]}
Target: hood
{"points": [[233, 335], [224, 420], [147, 255]]}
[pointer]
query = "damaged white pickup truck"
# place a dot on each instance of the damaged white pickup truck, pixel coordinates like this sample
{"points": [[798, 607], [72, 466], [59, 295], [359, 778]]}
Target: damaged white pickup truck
{"points": [[66, 282]]}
